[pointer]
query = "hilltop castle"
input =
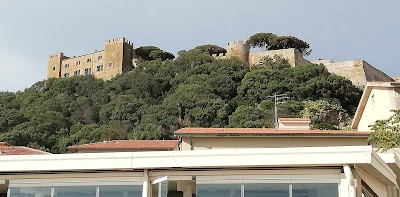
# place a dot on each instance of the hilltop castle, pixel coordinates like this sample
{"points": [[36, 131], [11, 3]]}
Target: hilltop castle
{"points": [[358, 71], [116, 58]]}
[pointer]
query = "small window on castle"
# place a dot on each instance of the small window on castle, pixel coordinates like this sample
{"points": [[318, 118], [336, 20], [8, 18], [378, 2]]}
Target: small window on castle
{"points": [[111, 64], [77, 72], [54, 68], [66, 75], [100, 57], [66, 66], [88, 71], [78, 63], [89, 60], [99, 68]]}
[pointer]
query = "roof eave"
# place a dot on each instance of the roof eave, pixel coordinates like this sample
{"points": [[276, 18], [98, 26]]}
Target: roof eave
{"points": [[270, 135]]}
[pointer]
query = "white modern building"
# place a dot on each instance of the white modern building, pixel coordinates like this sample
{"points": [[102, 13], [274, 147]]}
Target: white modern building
{"points": [[307, 171], [245, 163]]}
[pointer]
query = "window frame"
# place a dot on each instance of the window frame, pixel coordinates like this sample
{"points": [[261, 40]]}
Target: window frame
{"points": [[100, 68]]}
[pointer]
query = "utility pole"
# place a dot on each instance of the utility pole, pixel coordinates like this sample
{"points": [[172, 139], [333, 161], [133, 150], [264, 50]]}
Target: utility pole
{"points": [[278, 99]]}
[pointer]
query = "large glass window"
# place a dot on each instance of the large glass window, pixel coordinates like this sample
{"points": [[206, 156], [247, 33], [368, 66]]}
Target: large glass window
{"points": [[218, 190], [74, 191], [263, 188], [266, 190], [30, 191], [315, 190], [120, 191]]}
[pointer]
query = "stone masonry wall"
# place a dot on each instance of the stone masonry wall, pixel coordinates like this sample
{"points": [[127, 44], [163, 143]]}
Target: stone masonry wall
{"points": [[116, 58], [88, 61], [127, 57], [350, 70], [54, 65], [238, 49], [293, 56], [357, 71], [374, 74]]}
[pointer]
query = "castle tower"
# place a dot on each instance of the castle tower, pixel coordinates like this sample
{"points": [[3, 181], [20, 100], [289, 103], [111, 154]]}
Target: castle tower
{"points": [[238, 49], [54, 65], [118, 54]]}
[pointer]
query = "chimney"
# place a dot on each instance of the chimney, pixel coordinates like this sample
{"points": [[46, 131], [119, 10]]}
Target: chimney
{"points": [[294, 123]]}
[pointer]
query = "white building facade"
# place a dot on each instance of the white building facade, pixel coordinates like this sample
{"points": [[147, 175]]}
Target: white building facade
{"points": [[255, 172]]}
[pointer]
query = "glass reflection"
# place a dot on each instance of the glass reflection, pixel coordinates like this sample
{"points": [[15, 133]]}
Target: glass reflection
{"points": [[75, 191], [120, 191], [315, 190], [266, 190], [30, 191], [218, 190]]}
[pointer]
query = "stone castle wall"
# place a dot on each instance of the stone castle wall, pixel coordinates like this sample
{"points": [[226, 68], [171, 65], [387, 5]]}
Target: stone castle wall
{"points": [[374, 74], [293, 56], [357, 71], [54, 65], [70, 66], [117, 57], [238, 49], [106, 64]]}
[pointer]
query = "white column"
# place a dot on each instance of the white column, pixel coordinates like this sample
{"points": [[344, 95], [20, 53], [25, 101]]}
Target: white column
{"points": [[145, 192], [350, 179], [358, 185]]}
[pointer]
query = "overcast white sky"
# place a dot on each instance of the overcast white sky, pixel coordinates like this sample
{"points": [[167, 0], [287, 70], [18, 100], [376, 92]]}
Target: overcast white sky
{"points": [[336, 29]]}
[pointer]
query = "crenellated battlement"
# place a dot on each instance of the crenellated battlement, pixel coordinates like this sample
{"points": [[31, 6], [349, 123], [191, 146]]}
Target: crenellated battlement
{"points": [[119, 40], [115, 59], [239, 49], [57, 55], [240, 43]]}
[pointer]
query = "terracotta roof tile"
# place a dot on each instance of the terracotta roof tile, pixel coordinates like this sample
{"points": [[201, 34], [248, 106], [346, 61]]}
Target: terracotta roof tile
{"points": [[20, 150], [126, 145], [266, 132]]}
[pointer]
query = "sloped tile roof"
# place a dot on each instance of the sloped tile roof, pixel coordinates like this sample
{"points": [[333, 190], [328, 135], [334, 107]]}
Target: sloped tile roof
{"points": [[266, 132], [126, 145], [20, 150]]}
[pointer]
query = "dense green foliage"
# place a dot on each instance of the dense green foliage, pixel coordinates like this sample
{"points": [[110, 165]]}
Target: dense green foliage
{"points": [[270, 41], [159, 97], [210, 49], [147, 53], [387, 132]]}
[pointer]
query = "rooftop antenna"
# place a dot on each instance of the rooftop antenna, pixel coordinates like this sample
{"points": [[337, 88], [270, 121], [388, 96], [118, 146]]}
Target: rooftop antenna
{"points": [[279, 99]]}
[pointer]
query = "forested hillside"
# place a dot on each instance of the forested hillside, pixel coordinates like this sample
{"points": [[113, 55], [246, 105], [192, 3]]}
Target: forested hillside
{"points": [[159, 97]]}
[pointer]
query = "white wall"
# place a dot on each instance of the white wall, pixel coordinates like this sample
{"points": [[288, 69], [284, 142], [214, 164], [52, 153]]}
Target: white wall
{"points": [[381, 100]]}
